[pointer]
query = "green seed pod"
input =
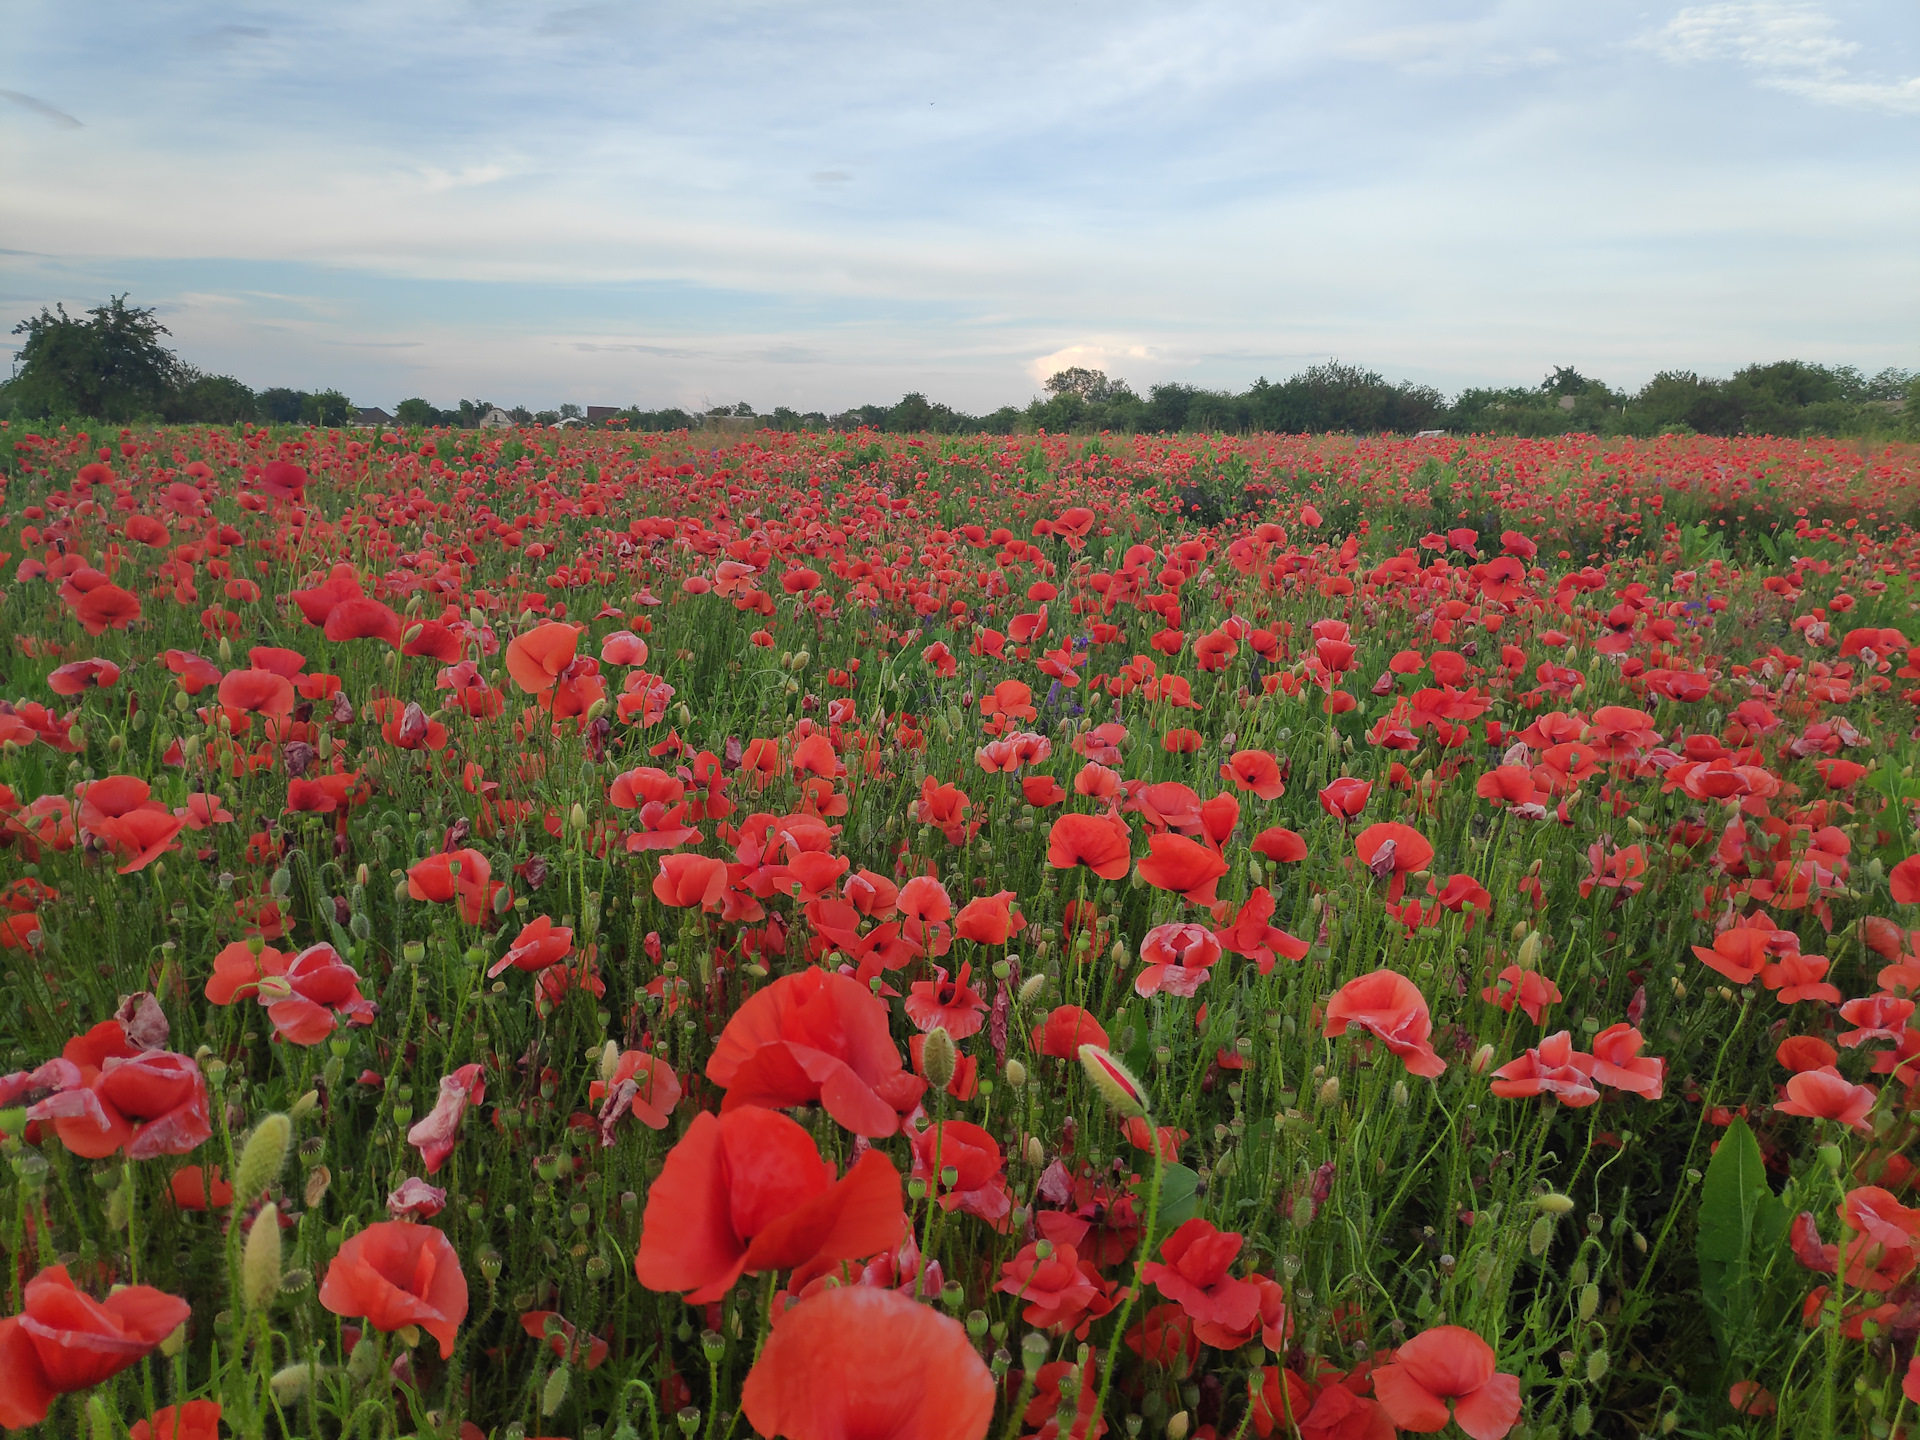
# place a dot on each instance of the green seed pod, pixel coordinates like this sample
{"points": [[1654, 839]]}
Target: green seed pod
{"points": [[262, 1159], [260, 1267]]}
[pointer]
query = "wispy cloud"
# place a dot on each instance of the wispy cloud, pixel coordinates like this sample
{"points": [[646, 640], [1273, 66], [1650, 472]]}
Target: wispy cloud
{"points": [[1795, 48], [41, 108]]}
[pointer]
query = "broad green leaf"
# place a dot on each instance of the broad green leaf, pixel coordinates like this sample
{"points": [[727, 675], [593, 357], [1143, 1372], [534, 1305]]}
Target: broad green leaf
{"points": [[1179, 1198], [1731, 1203]]}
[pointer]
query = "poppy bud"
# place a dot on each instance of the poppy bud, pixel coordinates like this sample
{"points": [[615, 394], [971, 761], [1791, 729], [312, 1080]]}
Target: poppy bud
{"points": [[1553, 1203], [1330, 1090], [281, 884], [1016, 1074], [1114, 1082], [318, 1181], [1528, 955], [412, 634], [801, 659], [1589, 1301], [260, 1267], [1482, 1060], [1036, 1152], [226, 651], [365, 1357], [260, 1161], [1540, 1236], [554, 1393], [306, 1104], [1177, 1426], [938, 1057], [1031, 987], [291, 1384]]}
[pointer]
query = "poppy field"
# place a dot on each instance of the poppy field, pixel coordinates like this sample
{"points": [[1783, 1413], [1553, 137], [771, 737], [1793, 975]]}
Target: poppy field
{"points": [[530, 935]]}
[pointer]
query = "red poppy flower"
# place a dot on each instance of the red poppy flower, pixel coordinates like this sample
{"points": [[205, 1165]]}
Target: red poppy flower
{"points": [[394, 1274], [63, 1341], [989, 919], [977, 1186], [1391, 1007], [1255, 770], [106, 607], [1065, 1030], [1903, 881], [863, 1361], [1345, 798], [816, 1038], [436, 879], [1448, 1363], [1195, 1275], [1100, 842], [363, 619], [195, 1420], [641, 1085], [1553, 1067], [1280, 845], [1392, 849], [952, 1005], [745, 1192], [79, 675], [1062, 1292], [537, 659], [151, 1102], [690, 880], [1251, 936], [1806, 1052], [1826, 1094], [1178, 864], [539, 944], [1176, 958], [262, 692]]}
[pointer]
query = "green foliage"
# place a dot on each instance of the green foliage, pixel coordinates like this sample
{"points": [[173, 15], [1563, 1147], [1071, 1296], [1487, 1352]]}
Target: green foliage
{"points": [[1742, 1224], [111, 364]]}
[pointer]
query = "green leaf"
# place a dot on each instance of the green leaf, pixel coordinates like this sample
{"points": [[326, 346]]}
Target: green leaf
{"points": [[1179, 1198], [1735, 1204]]}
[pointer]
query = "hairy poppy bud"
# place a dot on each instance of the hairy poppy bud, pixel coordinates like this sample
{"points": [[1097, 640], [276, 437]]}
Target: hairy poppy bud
{"points": [[260, 1161], [1528, 955], [1482, 1060], [1553, 1203], [291, 1384], [554, 1393], [1114, 1082], [1031, 987], [260, 1268], [938, 1057], [1016, 1074]]}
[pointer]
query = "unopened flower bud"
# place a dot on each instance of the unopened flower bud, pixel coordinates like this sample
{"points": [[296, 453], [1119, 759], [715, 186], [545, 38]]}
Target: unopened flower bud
{"points": [[1036, 1152], [1553, 1202], [260, 1267], [1114, 1081], [291, 1384], [1482, 1060], [1032, 986], [1177, 1425], [1016, 1074], [938, 1057], [260, 1162], [1527, 957], [554, 1393]]}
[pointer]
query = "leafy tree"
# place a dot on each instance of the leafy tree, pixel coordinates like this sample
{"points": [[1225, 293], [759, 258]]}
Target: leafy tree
{"points": [[209, 400], [328, 407], [281, 406], [569, 411], [415, 411], [111, 365]]}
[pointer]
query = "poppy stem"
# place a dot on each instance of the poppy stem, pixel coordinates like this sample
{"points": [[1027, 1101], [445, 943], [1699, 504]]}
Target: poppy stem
{"points": [[1139, 1264]]}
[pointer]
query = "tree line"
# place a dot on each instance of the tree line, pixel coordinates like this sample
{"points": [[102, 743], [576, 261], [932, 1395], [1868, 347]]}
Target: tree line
{"points": [[111, 365]]}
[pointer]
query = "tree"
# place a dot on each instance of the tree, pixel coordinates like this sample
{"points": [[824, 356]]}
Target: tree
{"points": [[415, 411], [1093, 386], [281, 406], [569, 411], [209, 400], [111, 365], [329, 407]]}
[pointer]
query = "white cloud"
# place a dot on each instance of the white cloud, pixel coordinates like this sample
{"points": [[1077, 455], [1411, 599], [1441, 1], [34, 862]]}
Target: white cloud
{"points": [[1796, 48]]}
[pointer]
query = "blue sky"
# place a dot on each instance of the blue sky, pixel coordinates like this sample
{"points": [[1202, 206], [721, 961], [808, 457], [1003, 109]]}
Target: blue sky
{"points": [[826, 204]]}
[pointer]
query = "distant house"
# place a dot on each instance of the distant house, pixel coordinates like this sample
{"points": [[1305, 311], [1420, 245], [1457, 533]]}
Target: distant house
{"points": [[496, 419], [600, 414], [572, 422], [1429, 434], [371, 416]]}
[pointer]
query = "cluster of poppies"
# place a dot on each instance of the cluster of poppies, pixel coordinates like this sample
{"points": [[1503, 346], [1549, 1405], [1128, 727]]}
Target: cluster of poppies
{"points": [[912, 940]]}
